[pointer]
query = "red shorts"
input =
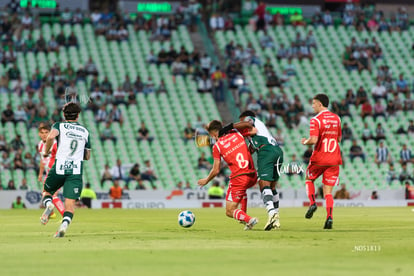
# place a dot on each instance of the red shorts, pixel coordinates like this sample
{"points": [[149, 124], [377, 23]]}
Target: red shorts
{"points": [[330, 174], [238, 186]]}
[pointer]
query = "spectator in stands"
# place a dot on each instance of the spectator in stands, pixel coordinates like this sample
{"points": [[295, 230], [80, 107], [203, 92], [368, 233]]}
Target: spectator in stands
{"points": [[260, 13], [342, 193], [138, 85], [118, 172], [107, 133], [410, 129], [106, 174], [391, 174], [27, 21], [379, 109], [204, 85], [3, 144], [178, 68], [379, 133], [18, 163], [404, 174], [349, 60], [119, 96], [346, 132], [348, 18], [366, 109], [115, 115], [361, 96], [382, 155], [343, 109], [391, 108], [402, 85], [205, 63], [7, 115], [379, 91], [72, 40], [151, 57], [327, 18], [188, 133], [115, 193], [216, 22], [406, 155], [11, 186], [29, 162], [356, 151], [101, 115], [143, 134], [218, 78], [148, 174], [307, 155], [366, 134], [122, 33], [61, 38], [24, 186], [272, 80], [5, 161], [162, 88], [134, 173], [91, 68], [203, 163], [296, 19]]}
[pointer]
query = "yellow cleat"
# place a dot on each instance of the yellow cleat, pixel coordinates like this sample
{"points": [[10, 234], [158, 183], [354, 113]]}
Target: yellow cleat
{"points": [[52, 216]]}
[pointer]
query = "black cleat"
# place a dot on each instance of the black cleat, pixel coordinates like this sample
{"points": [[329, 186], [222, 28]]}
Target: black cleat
{"points": [[328, 223], [311, 210]]}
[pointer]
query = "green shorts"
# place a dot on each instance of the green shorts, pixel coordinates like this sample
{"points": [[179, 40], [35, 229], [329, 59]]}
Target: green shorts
{"points": [[71, 183], [269, 162]]}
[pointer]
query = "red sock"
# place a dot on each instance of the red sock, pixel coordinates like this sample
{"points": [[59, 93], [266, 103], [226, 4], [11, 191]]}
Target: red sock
{"points": [[329, 205], [243, 204], [310, 190], [59, 205], [241, 216]]}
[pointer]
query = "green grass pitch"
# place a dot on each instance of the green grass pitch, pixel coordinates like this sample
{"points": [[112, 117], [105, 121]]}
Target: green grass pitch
{"points": [[364, 241]]}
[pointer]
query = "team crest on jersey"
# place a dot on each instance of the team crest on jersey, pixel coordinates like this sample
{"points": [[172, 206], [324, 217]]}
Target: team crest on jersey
{"points": [[76, 190]]}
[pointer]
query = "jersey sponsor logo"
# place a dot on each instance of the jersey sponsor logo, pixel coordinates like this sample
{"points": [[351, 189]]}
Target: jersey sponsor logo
{"points": [[75, 127], [73, 135], [68, 165], [76, 190], [226, 145]]}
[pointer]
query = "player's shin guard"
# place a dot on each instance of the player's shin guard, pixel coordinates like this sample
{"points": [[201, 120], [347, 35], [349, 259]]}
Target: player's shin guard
{"points": [[59, 205], [310, 190], [329, 205], [276, 200], [243, 204], [268, 200], [241, 216]]}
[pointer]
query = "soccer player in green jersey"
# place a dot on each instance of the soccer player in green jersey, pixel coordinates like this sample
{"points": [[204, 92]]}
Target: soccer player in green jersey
{"points": [[73, 148], [269, 162]]}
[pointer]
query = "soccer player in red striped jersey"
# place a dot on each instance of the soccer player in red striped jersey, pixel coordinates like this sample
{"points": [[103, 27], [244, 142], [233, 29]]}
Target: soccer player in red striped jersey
{"points": [[233, 149], [46, 164], [325, 135]]}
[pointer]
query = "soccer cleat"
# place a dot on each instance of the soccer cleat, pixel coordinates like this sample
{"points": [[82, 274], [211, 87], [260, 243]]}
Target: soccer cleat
{"points": [[312, 209], [61, 231], [271, 222], [46, 214], [252, 222], [276, 223], [53, 215], [328, 223]]}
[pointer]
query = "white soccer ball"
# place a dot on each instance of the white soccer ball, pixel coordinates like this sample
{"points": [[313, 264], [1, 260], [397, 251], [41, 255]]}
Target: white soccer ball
{"points": [[186, 219]]}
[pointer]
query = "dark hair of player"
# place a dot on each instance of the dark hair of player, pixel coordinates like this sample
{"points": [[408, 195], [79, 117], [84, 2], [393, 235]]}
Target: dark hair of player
{"points": [[43, 126], [214, 125], [323, 99], [71, 111], [247, 113]]}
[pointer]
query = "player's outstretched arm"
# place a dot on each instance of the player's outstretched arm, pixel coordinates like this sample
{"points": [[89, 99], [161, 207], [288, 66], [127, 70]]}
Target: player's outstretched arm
{"points": [[240, 126], [213, 173]]}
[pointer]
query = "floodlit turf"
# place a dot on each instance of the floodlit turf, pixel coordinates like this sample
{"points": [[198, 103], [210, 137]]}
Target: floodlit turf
{"points": [[364, 241]]}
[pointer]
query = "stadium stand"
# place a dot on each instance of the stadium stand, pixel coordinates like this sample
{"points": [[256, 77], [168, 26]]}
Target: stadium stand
{"points": [[326, 74], [165, 114]]}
